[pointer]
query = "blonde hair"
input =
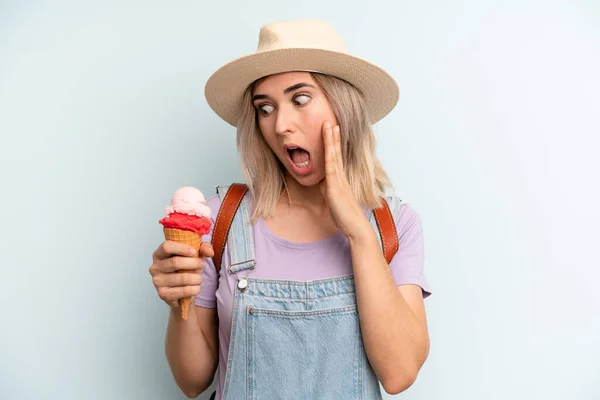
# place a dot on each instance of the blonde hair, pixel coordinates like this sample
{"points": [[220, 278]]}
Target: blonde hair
{"points": [[264, 173]]}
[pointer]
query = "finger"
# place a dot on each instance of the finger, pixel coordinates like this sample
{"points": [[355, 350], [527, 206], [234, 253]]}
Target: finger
{"points": [[170, 248], [171, 294], [177, 278], [337, 138], [177, 263], [206, 250], [187, 278], [326, 128], [330, 167]]}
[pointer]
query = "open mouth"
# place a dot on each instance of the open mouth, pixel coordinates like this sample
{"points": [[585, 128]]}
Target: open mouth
{"points": [[299, 157]]}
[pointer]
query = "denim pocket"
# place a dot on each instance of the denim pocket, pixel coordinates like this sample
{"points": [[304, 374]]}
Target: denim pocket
{"points": [[314, 354]]}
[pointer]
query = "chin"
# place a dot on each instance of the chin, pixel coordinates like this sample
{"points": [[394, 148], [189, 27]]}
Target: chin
{"points": [[308, 180]]}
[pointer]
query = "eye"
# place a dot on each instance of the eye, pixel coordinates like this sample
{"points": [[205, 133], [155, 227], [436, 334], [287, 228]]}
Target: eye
{"points": [[301, 99], [265, 109]]}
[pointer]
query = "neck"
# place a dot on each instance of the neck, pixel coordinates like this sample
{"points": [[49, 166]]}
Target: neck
{"points": [[303, 196]]}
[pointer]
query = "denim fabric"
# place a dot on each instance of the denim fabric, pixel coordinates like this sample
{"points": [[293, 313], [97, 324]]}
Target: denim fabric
{"points": [[291, 339]]}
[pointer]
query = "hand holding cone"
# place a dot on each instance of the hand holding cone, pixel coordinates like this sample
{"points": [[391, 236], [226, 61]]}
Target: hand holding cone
{"points": [[187, 220]]}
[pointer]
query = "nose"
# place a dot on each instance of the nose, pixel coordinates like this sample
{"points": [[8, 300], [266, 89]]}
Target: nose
{"points": [[284, 123]]}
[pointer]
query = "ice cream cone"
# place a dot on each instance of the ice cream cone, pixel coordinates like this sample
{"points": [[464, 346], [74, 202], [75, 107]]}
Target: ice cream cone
{"points": [[193, 239]]}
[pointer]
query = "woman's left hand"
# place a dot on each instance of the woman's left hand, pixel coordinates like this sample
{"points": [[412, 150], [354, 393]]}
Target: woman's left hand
{"points": [[345, 209]]}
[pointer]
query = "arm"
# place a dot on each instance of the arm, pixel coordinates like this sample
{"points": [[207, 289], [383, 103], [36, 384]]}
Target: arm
{"points": [[392, 318], [191, 348]]}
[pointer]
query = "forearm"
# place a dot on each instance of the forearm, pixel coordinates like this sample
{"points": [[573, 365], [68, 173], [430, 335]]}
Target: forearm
{"points": [[395, 341], [192, 360]]}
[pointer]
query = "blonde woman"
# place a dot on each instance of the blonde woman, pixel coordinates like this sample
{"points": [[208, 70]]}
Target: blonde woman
{"points": [[314, 296]]}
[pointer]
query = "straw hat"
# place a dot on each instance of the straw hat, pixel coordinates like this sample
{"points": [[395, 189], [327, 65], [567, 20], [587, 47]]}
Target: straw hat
{"points": [[312, 46]]}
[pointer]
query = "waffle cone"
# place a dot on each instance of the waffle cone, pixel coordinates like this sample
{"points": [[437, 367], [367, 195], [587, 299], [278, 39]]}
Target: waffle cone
{"points": [[193, 239]]}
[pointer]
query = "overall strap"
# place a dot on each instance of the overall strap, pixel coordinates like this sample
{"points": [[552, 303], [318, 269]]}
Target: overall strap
{"points": [[240, 241], [382, 219], [231, 198]]}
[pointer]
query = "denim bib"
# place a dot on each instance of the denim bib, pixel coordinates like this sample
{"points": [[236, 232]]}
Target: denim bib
{"points": [[293, 339]]}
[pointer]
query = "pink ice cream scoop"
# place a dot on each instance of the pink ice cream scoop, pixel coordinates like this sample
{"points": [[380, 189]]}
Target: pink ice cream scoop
{"points": [[188, 200]]}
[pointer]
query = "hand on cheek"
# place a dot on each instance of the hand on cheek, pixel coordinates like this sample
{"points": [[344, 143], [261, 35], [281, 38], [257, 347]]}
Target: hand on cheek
{"points": [[344, 207]]}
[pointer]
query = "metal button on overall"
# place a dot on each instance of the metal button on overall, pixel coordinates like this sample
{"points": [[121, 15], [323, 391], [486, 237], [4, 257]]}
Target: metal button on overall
{"points": [[242, 284]]}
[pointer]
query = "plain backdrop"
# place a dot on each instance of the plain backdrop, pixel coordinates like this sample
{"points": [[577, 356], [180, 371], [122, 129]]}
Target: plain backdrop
{"points": [[495, 141]]}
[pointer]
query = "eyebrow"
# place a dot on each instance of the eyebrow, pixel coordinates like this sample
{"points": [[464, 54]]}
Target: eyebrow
{"points": [[286, 91]]}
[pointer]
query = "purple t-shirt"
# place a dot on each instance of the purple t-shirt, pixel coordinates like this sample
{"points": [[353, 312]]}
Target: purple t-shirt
{"points": [[277, 258]]}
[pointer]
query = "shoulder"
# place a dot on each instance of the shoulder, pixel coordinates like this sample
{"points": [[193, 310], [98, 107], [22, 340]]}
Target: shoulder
{"points": [[406, 218], [407, 265]]}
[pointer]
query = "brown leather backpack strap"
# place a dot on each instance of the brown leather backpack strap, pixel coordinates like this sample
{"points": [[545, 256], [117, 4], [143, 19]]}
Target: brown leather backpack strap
{"points": [[229, 206], [387, 230]]}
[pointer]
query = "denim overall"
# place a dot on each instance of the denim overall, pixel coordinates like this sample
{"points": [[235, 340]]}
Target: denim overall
{"points": [[292, 339]]}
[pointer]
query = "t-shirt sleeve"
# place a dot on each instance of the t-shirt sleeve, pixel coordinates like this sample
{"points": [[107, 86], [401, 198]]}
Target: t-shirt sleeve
{"points": [[210, 279], [408, 263]]}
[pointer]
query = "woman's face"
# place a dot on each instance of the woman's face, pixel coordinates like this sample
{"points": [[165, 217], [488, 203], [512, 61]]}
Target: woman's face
{"points": [[291, 111]]}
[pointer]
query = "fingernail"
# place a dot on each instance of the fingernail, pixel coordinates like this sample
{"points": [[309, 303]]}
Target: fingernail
{"points": [[192, 251], [327, 125]]}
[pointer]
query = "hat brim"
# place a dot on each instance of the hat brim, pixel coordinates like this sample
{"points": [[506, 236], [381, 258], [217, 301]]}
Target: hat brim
{"points": [[225, 88]]}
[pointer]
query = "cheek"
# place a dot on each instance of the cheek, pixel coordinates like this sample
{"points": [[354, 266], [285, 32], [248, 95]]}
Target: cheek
{"points": [[315, 127], [267, 133], [263, 127], [319, 114]]}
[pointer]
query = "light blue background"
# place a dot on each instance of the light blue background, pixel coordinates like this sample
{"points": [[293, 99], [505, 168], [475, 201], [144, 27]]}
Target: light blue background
{"points": [[495, 141]]}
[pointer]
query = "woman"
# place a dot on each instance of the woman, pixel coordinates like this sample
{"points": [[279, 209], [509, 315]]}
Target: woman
{"points": [[309, 307]]}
